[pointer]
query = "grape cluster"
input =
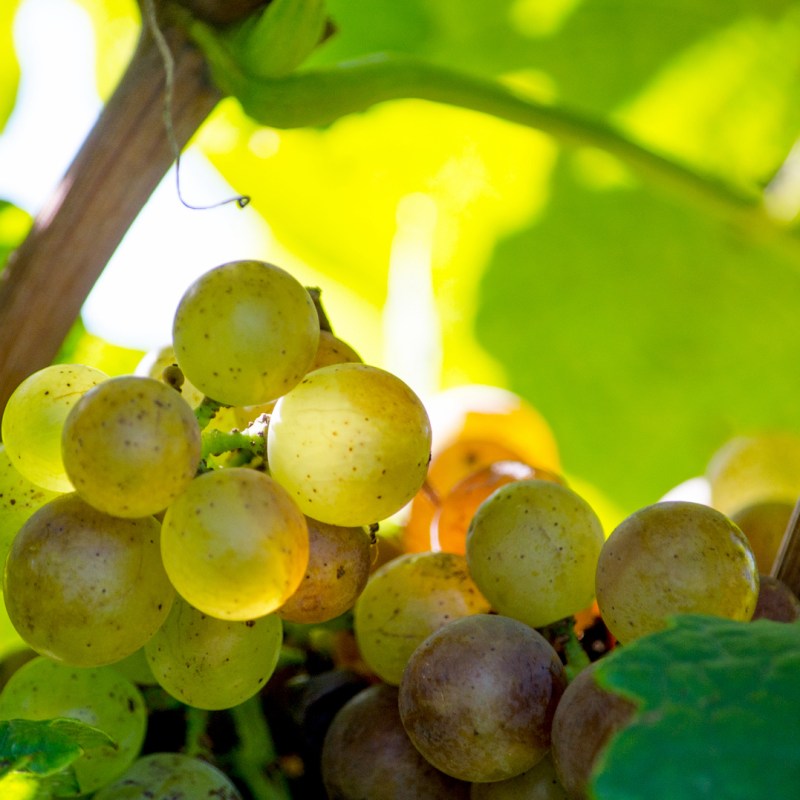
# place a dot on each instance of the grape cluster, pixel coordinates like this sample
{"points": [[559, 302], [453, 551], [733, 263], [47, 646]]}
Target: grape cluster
{"points": [[189, 528]]}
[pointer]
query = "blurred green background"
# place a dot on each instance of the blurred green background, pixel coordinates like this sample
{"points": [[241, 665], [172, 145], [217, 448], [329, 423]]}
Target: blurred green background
{"points": [[453, 247]]}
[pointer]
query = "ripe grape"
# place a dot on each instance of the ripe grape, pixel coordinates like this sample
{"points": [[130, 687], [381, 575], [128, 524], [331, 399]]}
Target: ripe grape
{"points": [[157, 364], [752, 469], [213, 663], [350, 443], [338, 567], [478, 696], [42, 689], [19, 498], [764, 524], [532, 549], [169, 776], [234, 544], [405, 601], [34, 417], [83, 587], [457, 508], [245, 332], [540, 782], [670, 558], [366, 754], [130, 446], [585, 719]]}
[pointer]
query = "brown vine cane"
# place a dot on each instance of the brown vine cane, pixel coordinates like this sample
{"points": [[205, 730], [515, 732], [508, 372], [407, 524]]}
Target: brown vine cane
{"points": [[787, 561], [123, 159]]}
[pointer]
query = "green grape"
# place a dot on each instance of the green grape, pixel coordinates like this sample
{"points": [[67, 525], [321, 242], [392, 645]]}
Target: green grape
{"points": [[19, 498], [674, 557], [339, 564], [350, 443], [406, 600], [234, 544], [540, 782], [157, 363], [752, 469], [170, 776], [213, 663], [532, 549], [367, 754], [42, 689], [34, 418], [83, 587], [478, 696], [130, 446], [245, 332]]}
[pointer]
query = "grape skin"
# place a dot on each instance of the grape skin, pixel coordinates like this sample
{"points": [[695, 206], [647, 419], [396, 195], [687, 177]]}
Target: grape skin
{"points": [[212, 663], [585, 719], [540, 782], [131, 445], [674, 557], [43, 689], [338, 568], [169, 776], [478, 696], [350, 443], [83, 587], [405, 601], [386, 765], [532, 548], [19, 499], [245, 332], [34, 418], [234, 544]]}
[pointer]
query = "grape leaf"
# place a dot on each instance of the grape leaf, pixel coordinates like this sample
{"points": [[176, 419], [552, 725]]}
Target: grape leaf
{"points": [[718, 716], [9, 66], [46, 747]]}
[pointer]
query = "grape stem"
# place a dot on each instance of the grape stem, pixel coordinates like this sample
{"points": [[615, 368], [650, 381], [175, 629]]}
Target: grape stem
{"points": [[562, 633], [254, 758], [251, 445], [196, 740]]}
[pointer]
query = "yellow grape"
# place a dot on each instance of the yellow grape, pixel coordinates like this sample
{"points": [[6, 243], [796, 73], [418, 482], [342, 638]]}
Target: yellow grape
{"points": [[83, 587], [350, 443], [19, 499], [405, 601], [674, 557], [245, 332], [34, 417], [213, 663], [764, 524], [532, 548], [234, 544], [131, 445]]}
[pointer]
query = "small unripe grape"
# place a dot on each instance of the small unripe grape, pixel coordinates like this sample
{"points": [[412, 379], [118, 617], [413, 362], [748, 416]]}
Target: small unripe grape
{"points": [[245, 332]]}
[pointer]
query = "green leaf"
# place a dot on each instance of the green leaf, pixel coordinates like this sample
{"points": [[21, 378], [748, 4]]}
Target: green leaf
{"points": [[718, 716], [46, 747]]}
